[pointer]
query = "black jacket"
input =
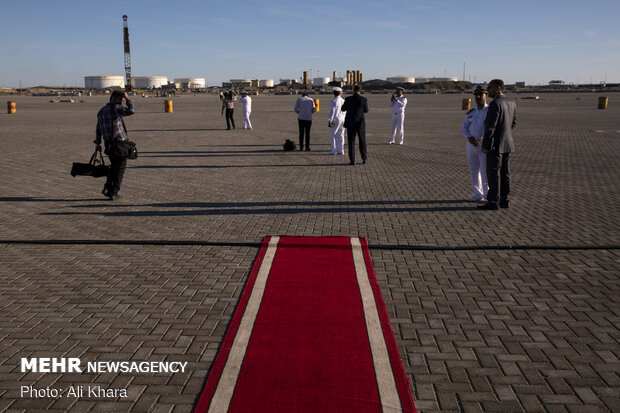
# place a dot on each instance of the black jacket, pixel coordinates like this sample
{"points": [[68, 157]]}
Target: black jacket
{"points": [[355, 106]]}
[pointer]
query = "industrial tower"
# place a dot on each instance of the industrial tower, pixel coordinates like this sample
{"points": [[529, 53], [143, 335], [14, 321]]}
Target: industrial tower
{"points": [[127, 55]]}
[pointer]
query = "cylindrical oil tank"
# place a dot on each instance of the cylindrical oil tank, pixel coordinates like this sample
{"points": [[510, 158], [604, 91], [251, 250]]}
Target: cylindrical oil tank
{"points": [[149, 82], [401, 79], [320, 81], [266, 83], [104, 82], [305, 78], [192, 82]]}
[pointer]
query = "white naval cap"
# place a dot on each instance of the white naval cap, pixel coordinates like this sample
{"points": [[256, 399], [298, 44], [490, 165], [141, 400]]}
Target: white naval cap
{"points": [[337, 89]]}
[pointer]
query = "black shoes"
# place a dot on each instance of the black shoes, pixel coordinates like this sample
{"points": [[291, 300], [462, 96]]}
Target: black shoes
{"points": [[308, 149], [351, 163], [364, 161], [505, 205], [111, 197], [488, 206]]}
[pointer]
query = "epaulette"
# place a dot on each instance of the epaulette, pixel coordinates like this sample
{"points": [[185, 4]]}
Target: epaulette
{"points": [[470, 111]]}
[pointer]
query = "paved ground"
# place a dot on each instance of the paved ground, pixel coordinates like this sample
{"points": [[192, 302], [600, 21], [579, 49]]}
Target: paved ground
{"points": [[479, 329]]}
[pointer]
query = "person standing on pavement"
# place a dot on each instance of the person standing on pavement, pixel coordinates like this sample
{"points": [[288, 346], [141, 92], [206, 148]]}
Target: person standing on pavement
{"points": [[228, 105], [473, 130], [246, 101], [355, 122], [335, 122], [398, 103], [498, 144], [304, 107], [110, 127]]}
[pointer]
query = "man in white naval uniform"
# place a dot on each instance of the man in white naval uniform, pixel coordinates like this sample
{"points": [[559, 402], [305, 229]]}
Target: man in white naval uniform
{"points": [[473, 130], [246, 101], [398, 103], [336, 123]]}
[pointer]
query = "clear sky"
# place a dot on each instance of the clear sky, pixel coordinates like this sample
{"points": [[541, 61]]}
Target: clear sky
{"points": [[58, 42]]}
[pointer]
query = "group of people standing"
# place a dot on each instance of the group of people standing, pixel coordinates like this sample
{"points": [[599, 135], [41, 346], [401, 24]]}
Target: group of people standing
{"points": [[343, 114], [487, 128], [228, 108]]}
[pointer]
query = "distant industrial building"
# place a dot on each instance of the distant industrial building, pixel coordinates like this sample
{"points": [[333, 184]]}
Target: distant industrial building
{"points": [[190, 82], [289, 82], [104, 82], [320, 81], [266, 83], [424, 79], [149, 82], [401, 79]]}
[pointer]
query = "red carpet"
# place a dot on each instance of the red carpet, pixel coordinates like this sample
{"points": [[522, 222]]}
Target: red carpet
{"points": [[310, 334]]}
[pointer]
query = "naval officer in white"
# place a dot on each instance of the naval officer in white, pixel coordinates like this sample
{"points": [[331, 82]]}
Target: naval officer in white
{"points": [[473, 130], [336, 123], [398, 103], [246, 101]]}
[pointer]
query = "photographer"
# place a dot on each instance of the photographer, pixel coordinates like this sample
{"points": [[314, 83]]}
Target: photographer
{"points": [[398, 103], [110, 127]]}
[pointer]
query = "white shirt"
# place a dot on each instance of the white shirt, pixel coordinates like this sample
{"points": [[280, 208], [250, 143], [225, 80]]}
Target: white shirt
{"points": [[398, 105], [335, 111], [473, 124], [247, 103], [304, 107]]}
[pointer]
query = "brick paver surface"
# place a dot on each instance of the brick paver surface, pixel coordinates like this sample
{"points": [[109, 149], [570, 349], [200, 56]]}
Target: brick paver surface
{"points": [[478, 329]]}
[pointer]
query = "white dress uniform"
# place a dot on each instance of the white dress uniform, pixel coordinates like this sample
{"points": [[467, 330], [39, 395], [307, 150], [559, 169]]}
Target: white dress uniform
{"points": [[473, 126], [246, 101], [336, 116], [398, 119]]}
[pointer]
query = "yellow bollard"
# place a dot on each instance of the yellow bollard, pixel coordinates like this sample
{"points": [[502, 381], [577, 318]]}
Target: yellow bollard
{"points": [[316, 103], [602, 102], [11, 107], [466, 105], [168, 106]]}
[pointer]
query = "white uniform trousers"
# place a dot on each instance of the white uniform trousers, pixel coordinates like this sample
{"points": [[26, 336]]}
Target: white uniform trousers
{"points": [[337, 136], [477, 161], [398, 127], [246, 119]]}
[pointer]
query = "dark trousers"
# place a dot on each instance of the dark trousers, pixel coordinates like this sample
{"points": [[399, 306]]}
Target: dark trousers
{"points": [[498, 175], [304, 131], [229, 118], [360, 131], [115, 176]]}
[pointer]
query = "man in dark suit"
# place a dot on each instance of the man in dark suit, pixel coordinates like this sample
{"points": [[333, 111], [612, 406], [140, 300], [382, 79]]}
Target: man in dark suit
{"points": [[498, 145], [355, 106]]}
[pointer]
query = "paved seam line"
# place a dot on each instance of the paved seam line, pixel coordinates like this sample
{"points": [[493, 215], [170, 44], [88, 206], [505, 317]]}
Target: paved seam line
{"points": [[258, 245]]}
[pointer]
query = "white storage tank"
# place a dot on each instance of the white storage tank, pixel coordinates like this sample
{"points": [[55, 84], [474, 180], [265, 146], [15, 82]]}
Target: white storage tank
{"points": [[104, 82], [266, 83], [320, 81], [191, 82], [149, 82], [401, 79]]}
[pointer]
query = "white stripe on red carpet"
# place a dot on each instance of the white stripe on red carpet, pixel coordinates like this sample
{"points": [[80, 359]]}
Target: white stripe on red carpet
{"points": [[310, 334]]}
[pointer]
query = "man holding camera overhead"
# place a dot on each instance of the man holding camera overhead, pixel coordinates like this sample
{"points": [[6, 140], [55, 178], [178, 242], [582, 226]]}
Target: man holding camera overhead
{"points": [[398, 102]]}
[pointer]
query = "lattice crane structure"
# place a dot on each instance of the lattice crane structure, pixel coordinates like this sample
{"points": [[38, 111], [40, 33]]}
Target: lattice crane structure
{"points": [[127, 54]]}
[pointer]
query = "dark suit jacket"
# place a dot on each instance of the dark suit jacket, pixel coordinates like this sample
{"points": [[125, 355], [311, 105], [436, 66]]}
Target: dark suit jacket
{"points": [[500, 121], [355, 106]]}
